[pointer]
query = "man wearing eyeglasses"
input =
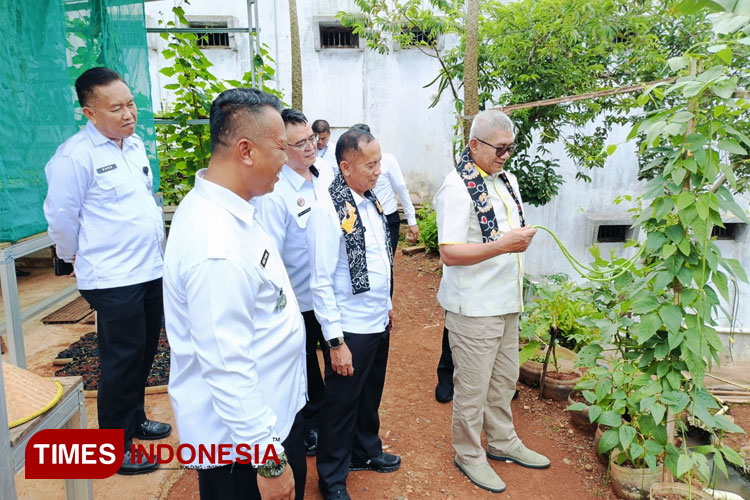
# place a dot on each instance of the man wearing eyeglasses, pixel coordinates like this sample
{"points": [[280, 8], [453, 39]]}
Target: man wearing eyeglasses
{"points": [[482, 236], [284, 214]]}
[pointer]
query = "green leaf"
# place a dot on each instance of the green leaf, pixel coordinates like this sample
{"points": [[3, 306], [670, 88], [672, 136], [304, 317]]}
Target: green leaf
{"points": [[653, 448], [610, 419], [675, 233], [678, 63], [647, 327], [674, 380], [685, 199], [735, 268], [720, 464], [720, 280], [668, 250], [675, 339], [611, 148], [728, 453], [645, 304], [725, 55], [655, 240], [684, 464], [695, 6], [731, 146], [636, 450], [672, 316], [577, 407], [657, 412], [594, 412], [609, 440], [626, 434]]}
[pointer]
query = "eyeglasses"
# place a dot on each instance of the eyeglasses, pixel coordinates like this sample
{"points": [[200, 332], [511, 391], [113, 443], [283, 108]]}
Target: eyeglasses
{"points": [[302, 145], [500, 151]]}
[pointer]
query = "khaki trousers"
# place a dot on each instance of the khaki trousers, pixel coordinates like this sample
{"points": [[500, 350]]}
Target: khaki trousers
{"points": [[485, 355]]}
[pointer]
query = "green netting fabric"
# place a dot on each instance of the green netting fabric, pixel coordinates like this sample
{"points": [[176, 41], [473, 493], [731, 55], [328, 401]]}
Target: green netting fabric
{"points": [[48, 44]]}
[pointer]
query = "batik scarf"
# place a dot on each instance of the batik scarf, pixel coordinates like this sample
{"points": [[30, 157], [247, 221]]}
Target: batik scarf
{"points": [[474, 182], [354, 231]]}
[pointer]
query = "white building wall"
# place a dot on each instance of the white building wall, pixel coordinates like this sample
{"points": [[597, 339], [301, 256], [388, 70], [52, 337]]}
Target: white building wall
{"points": [[346, 86]]}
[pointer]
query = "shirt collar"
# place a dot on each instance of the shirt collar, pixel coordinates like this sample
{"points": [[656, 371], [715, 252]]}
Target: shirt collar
{"points": [[98, 138], [295, 179], [232, 203], [357, 198]]}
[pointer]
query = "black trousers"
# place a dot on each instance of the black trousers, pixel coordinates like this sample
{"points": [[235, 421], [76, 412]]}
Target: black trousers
{"points": [[315, 385], [239, 481], [349, 421], [129, 320], [445, 365], [394, 223]]}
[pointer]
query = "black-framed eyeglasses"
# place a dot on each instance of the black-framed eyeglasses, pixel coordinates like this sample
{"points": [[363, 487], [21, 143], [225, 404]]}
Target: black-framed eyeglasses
{"points": [[301, 145], [500, 150]]}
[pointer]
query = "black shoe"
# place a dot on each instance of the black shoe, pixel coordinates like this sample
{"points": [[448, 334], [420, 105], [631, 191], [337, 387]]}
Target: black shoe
{"points": [[444, 393], [338, 495], [383, 463], [311, 442], [141, 465], [22, 274], [151, 429], [516, 394]]}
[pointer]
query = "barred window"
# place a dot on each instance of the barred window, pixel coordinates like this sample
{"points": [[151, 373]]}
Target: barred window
{"points": [[212, 40], [338, 37]]}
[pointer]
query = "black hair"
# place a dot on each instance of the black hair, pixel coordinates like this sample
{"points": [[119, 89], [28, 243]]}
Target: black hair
{"points": [[320, 126], [92, 78], [233, 108], [293, 116], [362, 126], [349, 141]]}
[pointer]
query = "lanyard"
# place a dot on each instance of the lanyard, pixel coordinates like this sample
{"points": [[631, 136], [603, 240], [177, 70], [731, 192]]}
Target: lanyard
{"points": [[515, 198]]}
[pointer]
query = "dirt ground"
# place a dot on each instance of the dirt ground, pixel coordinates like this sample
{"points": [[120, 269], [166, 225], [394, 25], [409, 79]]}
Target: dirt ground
{"points": [[417, 427]]}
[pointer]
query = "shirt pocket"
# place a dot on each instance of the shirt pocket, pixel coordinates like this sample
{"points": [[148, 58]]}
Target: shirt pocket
{"points": [[114, 185]]}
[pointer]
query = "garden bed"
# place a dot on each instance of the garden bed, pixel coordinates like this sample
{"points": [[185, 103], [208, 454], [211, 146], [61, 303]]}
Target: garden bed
{"points": [[84, 361]]}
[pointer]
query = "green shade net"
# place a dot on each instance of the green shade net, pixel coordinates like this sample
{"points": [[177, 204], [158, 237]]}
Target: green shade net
{"points": [[48, 44]]}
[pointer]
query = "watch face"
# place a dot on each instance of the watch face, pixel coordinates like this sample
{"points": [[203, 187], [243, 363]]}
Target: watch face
{"points": [[334, 343]]}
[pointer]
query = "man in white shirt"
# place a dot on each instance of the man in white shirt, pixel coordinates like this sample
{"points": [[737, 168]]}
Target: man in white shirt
{"points": [[350, 283], [284, 214], [238, 360], [390, 185], [103, 218], [482, 237], [322, 130]]}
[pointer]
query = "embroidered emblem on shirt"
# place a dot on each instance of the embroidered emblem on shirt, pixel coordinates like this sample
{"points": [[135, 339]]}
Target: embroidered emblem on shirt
{"points": [[300, 202], [264, 259], [101, 170], [304, 212], [351, 217]]}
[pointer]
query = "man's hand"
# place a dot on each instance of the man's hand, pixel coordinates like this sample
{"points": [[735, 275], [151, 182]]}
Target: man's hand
{"points": [[517, 240], [73, 274], [277, 488], [341, 361], [391, 320], [413, 233]]}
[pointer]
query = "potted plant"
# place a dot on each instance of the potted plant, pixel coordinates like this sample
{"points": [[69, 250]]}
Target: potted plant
{"points": [[552, 330]]}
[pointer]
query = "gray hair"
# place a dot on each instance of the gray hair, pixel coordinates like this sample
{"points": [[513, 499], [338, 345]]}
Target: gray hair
{"points": [[485, 122]]}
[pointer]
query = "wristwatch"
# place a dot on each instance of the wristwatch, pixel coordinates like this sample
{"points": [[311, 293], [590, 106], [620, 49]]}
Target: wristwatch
{"points": [[335, 343], [271, 468]]}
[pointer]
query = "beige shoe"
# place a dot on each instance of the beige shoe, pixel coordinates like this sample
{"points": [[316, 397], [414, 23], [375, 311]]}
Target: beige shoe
{"points": [[482, 475], [522, 456]]}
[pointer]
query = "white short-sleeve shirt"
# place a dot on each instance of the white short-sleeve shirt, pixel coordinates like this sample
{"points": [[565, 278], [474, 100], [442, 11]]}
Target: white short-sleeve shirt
{"points": [[490, 288]]}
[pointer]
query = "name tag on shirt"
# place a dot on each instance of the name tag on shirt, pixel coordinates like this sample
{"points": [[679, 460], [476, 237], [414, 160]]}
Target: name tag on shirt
{"points": [[108, 168], [264, 259], [304, 212]]}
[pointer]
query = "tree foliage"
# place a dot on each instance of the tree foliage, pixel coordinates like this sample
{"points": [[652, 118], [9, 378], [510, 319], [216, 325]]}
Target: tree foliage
{"points": [[542, 49], [185, 146]]}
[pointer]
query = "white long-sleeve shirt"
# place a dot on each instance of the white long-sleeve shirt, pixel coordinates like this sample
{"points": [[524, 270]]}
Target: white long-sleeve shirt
{"points": [[336, 308], [391, 184], [238, 370], [100, 209], [284, 213]]}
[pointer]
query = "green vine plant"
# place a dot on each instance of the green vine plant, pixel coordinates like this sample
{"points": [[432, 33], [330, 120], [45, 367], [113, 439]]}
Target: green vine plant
{"points": [[184, 147], [532, 50], [663, 329]]}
